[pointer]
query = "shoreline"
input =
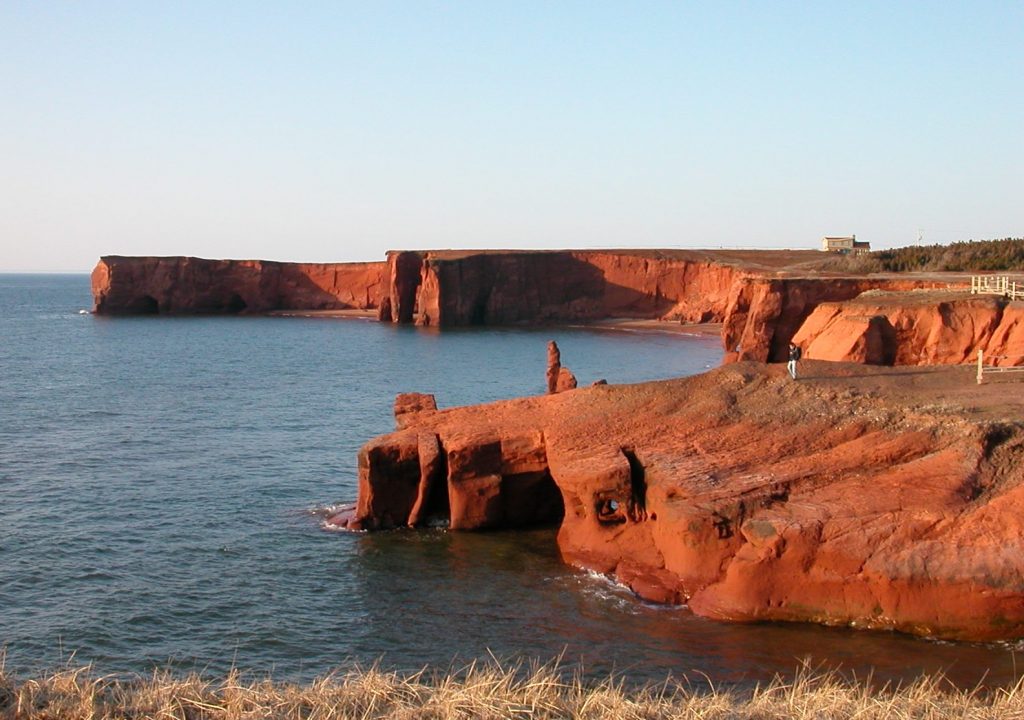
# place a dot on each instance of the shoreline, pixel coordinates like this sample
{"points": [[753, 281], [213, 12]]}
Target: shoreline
{"points": [[662, 327], [639, 325], [356, 313]]}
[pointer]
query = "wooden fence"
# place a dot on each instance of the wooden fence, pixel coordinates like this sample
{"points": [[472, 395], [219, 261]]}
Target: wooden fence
{"points": [[983, 368], [996, 285]]}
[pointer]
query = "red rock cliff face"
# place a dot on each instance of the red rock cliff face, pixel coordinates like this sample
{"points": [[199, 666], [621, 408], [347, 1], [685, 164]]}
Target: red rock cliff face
{"points": [[135, 285], [763, 314], [750, 497], [915, 329], [761, 308], [448, 288]]}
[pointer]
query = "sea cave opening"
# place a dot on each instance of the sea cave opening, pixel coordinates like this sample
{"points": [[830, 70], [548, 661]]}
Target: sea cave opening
{"points": [[235, 304], [531, 499], [144, 305]]}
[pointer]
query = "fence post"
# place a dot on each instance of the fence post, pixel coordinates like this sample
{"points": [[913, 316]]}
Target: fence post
{"points": [[981, 367]]}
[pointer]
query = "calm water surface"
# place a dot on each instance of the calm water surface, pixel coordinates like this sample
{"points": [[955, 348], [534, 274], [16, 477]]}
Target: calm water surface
{"points": [[160, 480]]}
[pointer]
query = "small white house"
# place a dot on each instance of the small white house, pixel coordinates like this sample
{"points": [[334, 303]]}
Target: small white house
{"points": [[845, 245]]}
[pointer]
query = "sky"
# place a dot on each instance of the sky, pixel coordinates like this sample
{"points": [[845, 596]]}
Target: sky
{"points": [[335, 131]]}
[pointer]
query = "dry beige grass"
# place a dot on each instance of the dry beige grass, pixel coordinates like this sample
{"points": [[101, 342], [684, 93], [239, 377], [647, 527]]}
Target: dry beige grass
{"points": [[483, 692]]}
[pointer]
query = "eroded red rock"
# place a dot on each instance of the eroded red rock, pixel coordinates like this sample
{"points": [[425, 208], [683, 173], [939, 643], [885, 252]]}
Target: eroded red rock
{"points": [[566, 380], [559, 378], [554, 367], [915, 328], [869, 497], [150, 285], [764, 313], [408, 405], [505, 287], [760, 297]]}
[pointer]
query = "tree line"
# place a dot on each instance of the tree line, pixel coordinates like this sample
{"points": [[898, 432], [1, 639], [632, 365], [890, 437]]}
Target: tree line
{"points": [[970, 255]]}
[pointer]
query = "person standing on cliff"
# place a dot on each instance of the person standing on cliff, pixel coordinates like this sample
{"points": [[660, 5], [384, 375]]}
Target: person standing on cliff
{"points": [[795, 353]]}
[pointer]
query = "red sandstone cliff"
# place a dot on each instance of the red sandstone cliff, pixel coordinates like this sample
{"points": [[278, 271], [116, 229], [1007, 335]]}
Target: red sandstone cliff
{"points": [[919, 328], [875, 498], [763, 314], [134, 285], [761, 298], [761, 305], [493, 288]]}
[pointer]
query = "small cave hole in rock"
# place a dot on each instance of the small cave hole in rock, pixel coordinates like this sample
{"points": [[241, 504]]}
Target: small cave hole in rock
{"points": [[437, 511], [235, 304], [609, 512], [478, 312], [531, 499], [145, 305]]}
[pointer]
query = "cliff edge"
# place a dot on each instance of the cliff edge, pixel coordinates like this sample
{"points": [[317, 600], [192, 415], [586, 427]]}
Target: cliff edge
{"points": [[185, 285], [916, 328], [868, 497], [761, 298]]}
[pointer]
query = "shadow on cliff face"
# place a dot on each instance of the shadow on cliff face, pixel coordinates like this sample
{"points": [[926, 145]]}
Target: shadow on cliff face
{"points": [[235, 304], [184, 285], [508, 288], [531, 499], [144, 305], [296, 287]]}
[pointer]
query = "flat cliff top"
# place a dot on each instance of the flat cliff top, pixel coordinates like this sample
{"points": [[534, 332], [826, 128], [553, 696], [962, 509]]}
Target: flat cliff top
{"points": [[173, 259], [901, 396], [788, 264], [918, 298], [746, 258]]}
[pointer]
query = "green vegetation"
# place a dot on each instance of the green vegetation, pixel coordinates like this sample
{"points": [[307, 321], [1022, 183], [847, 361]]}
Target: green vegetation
{"points": [[485, 692], [972, 255]]}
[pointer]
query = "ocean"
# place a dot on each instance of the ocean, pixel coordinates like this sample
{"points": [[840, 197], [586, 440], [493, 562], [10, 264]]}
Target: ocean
{"points": [[163, 483]]}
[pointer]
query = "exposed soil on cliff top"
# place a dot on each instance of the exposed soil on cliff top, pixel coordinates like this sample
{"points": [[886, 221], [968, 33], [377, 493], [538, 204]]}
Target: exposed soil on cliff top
{"points": [[920, 297], [791, 263], [753, 260], [823, 389], [938, 389]]}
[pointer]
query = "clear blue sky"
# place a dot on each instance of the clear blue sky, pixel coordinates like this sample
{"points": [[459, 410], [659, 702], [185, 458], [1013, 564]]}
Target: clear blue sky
{"points": [[335, 131]]}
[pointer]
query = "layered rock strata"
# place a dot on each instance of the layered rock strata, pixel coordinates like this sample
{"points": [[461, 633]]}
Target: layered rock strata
{"points": [[760, 297], [152, 285], [880, 498], [919, 328], [763, 314], [499, 288]]}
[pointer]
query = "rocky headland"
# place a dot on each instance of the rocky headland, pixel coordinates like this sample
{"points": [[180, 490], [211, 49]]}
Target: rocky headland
{"points": [[869, 497], [187, 285]]}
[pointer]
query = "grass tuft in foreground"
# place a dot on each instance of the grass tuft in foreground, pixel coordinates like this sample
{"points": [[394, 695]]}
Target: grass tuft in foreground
{"points": [[483, 692]]}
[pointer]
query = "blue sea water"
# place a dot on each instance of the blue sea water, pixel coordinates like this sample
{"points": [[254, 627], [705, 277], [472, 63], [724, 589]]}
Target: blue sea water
{"points": [[162, 482]]}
